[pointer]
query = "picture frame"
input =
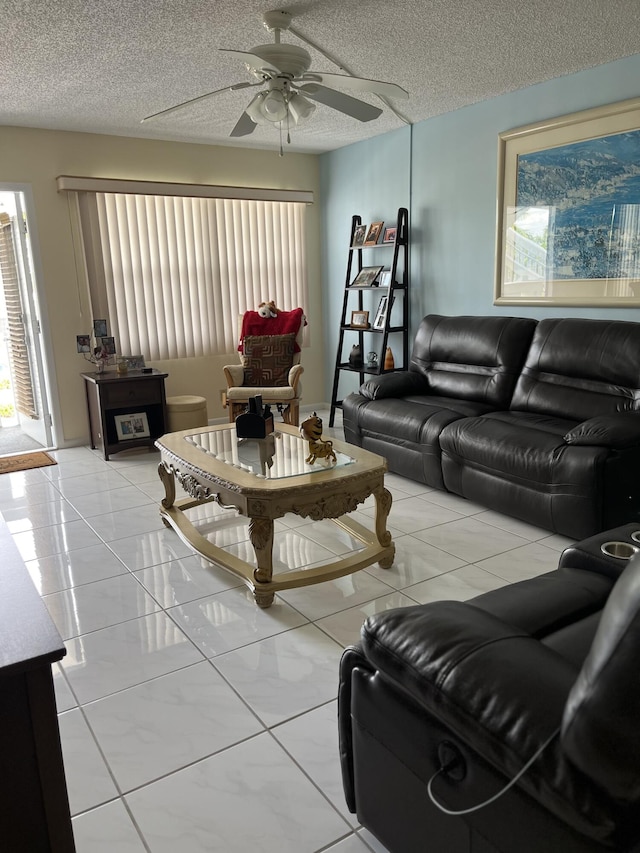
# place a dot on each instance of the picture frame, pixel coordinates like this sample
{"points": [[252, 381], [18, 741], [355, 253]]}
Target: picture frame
{"points": [[381, 313], [99, 328], [109, 345], [359, 234], [385, 278], [134, 362], [390, 234], [373, 234], [360, 319], [367, 277], [83, 343], [568, 231], [132, 426]]}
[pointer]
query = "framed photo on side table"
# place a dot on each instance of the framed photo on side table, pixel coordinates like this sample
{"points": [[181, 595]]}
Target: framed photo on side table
{"points": [[132, 426], [134, 362], [360, 319]]}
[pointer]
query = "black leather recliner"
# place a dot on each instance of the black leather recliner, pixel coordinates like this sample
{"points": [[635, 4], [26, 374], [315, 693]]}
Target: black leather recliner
{"points": [[546, 669]]}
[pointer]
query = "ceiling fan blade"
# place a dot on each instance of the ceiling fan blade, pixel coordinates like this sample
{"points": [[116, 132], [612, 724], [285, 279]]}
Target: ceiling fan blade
{"points": [[360, 84], [244, 126], [253, 60], [188, 103], [339, 101]]}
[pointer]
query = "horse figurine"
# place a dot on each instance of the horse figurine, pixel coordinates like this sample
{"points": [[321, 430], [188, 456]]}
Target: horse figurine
{"points": [[311, 430]]}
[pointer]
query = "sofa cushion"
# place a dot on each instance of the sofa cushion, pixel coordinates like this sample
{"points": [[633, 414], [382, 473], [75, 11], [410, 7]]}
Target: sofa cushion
{"points": [[521, 446], [418, 419], [518, 463], [472, 358], [268, 359], [580, 369]]}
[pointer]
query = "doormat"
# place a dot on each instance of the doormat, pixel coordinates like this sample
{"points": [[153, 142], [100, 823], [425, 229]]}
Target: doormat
{"points": [[8, 464]]}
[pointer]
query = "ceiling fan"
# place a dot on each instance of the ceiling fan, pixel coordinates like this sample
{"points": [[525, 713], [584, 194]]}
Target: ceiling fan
{"points": [[289, 87]]}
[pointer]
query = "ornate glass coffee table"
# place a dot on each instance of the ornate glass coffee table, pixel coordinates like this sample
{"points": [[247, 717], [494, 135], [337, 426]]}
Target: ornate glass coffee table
{"points": [[263, 480]]}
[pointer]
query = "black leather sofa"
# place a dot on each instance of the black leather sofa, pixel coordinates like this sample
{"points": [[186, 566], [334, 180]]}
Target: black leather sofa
{"points": [[471, 691], [537, 420]]}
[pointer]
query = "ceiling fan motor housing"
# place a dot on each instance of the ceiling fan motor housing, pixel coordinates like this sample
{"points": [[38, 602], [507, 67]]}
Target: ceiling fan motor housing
{"points": [[290, 60]]}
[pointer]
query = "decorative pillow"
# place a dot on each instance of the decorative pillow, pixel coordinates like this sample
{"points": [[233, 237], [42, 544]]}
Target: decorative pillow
{"points": [[268, 359]]}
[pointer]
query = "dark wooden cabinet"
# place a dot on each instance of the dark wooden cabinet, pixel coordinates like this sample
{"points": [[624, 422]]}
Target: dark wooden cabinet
{"points": [[110, 395], [34, 807]]}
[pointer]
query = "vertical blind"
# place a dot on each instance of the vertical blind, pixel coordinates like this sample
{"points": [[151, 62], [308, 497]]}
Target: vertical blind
{"points": [[22, 379], [172, 273]]}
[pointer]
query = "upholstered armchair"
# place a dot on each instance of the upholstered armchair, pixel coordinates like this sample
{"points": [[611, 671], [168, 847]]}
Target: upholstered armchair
{"points": [[270, 352]]}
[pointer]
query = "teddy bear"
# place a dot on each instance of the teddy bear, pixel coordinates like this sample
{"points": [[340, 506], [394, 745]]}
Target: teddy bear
{"points": [[268, 309]]}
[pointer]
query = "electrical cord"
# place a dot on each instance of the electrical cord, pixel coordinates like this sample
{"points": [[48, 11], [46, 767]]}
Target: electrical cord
{"points": [[492, 799]]}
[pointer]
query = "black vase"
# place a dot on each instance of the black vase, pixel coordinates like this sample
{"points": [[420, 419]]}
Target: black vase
{"points": [[355, 356]]}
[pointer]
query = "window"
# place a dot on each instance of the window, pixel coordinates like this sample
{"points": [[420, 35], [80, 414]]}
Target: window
{"points": [[172, 273]]}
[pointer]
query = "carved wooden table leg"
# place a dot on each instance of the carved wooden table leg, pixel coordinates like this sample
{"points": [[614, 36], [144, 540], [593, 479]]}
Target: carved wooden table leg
{"points": [[169, 483], [261, 535], [383, 508]]}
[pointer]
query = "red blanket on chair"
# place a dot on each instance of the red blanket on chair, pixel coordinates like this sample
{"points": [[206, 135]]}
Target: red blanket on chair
{"points": [[284, 324]]}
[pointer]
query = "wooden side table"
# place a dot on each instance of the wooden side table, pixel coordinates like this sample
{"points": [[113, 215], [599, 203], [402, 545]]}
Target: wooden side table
{"points": [[109, 396]]}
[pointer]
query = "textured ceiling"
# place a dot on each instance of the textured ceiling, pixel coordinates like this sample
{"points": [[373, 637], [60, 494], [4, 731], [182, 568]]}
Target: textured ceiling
{"points": [[102, 66]]}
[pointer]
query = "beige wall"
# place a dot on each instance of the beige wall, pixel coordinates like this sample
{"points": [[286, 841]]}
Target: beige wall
{"points": [[37, 157]]}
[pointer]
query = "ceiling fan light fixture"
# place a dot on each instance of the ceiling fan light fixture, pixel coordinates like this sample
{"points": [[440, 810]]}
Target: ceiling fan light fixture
{"points": [[300, 108], [273, 106], [254, 110]]}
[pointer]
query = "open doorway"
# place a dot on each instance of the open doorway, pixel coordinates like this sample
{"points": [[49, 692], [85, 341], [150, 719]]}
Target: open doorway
{"points": [[25, 420]]}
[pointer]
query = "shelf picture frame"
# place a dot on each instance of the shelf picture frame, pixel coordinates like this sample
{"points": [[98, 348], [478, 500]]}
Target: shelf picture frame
{"points": [[568, 229], [132, 426], [381, 313], [373, 234], [385, 278], [367, 276], [389, 235], [359, 233], [359, 319]]}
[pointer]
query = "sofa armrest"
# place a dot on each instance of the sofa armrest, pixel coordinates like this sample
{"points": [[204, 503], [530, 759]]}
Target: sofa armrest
{"points": [[500, 691], [619, 430], [234, 374], [394, 385], [294, 376], [500, 688]]}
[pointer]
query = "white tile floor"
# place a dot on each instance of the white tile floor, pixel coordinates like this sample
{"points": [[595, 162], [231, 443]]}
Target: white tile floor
{"points": [[191, 720]]}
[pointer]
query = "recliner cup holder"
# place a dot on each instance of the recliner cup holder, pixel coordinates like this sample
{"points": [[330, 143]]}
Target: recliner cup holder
{"points": [[636, 536], [620, 550]]}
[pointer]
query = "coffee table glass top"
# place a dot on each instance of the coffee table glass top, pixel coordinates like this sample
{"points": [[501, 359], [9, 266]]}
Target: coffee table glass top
{"points": [[275, 457]]}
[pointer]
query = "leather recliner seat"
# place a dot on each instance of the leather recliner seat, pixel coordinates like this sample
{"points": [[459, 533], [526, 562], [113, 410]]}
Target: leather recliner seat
{"points": [[547, 666]]}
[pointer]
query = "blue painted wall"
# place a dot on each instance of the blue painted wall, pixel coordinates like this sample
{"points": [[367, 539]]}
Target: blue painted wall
{"points": [[445, 171]]}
